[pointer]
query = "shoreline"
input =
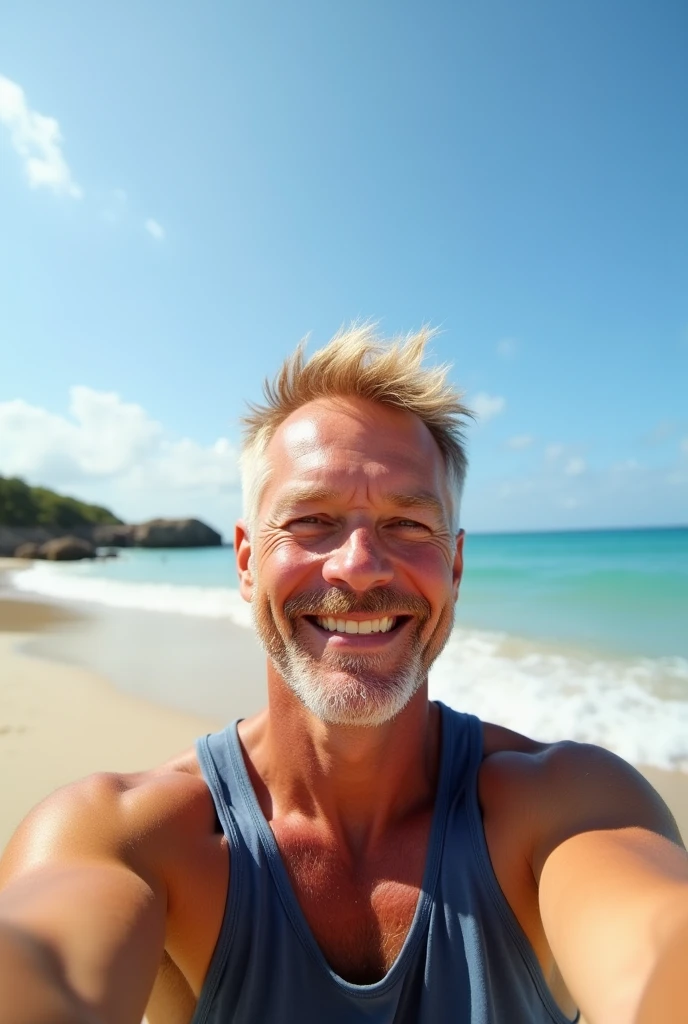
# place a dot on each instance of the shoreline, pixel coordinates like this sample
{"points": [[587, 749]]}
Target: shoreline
{"points": [[84, 689], [60, 722]]}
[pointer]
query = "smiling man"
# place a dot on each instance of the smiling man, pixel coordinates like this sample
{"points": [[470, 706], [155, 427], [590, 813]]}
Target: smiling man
{"points": [[355, 852]]}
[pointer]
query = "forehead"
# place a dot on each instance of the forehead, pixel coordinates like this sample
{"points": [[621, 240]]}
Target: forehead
{"points": [[347, 442]]}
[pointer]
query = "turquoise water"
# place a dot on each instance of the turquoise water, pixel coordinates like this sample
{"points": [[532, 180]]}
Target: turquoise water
{"points": [[622, 591], [577, 635]]}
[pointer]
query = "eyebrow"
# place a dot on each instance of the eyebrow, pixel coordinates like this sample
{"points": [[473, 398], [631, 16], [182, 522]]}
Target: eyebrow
{"points": [[299, 495], [399, 499], [419, 499]]}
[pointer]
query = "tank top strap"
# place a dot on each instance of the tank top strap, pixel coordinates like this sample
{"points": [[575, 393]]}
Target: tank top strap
{"points": [[462, 745], [217, 755]]}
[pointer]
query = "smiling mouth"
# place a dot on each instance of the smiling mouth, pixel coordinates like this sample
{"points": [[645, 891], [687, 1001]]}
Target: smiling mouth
{"points": [[383, 624]]}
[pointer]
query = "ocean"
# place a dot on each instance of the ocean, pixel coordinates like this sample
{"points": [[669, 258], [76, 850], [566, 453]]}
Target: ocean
{"points": [[580, 635]]}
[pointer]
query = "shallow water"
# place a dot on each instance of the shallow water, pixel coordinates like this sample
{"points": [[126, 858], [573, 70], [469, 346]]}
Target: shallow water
{"points": [[579, 635]]}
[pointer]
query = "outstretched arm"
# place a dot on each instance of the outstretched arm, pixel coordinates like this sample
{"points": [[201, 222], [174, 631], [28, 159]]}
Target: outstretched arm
{"points": [[613, 885], [81, 921]]}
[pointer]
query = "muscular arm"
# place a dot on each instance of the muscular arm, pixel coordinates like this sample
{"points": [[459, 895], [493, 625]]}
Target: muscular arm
{"points": [[81, 921], [613, 889]]}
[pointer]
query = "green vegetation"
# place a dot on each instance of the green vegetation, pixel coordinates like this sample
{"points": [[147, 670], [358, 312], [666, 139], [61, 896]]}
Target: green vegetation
{"points": [[21, 505]]}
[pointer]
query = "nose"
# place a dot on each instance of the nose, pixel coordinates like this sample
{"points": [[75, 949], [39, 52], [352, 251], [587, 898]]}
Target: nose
{"points": [[358, 563]]}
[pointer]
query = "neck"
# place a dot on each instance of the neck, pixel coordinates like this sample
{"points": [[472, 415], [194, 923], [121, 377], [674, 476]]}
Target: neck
{"points": [[359, 780]]}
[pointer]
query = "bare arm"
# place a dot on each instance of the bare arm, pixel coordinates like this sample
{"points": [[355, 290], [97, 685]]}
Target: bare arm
{"points": [[613, 889], [81, 920]]}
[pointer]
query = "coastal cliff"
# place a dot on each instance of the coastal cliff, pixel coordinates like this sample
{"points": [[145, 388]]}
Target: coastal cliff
{"points": [[33, 519]]}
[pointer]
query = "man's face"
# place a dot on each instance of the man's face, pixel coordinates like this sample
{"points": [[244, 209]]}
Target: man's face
{"points": [[353, 570]]}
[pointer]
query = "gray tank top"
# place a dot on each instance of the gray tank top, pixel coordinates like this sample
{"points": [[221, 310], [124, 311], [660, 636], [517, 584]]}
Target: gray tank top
{"points": [[464, 960]]}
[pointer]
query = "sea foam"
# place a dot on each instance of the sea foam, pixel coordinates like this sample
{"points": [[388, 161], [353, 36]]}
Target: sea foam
{"points": [[206, 602], [637, 707]]}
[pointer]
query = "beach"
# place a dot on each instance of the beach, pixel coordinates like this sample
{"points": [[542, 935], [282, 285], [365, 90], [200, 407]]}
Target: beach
{"points": [[86, 689], [64, 707]]}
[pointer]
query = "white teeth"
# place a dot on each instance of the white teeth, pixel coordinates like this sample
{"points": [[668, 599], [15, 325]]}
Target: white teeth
{"points": [[353, 626]]}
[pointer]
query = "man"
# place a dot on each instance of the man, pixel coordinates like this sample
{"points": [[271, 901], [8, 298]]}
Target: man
{"points": [[354, 852]]}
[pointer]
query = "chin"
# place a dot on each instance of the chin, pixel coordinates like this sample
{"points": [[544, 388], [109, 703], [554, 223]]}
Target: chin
{"points": [[352, 695], [349, 690]]}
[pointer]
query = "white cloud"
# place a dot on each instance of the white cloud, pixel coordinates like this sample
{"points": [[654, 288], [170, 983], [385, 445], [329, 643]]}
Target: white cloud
{"points": [[575, 466], [154, 229], [626, 493], [553, 452], [519, 442], [486, 407], [38, 140], [187, 465], [506, 348], [105, 438]]}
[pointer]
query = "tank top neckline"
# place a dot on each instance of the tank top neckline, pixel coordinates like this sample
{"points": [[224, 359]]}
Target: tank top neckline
{"points": [[285, 888]]}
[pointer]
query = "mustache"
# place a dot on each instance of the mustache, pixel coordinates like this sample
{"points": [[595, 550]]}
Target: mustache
{"points": [[337, 603]]}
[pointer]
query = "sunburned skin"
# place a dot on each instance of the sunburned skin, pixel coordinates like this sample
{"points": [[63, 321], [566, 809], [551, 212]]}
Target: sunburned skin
{"points": [[360, 508], [372, 908]]}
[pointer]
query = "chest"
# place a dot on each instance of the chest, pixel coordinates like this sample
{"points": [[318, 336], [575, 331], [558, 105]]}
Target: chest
{"points": [[359, 910]]}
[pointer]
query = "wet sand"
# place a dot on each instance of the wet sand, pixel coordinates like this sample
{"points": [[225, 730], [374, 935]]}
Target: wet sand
{"points": [[59, 722], [84, 690]]}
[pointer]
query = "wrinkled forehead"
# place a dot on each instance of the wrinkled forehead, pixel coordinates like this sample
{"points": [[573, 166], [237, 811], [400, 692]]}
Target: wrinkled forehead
{"points": [[351, 437]]}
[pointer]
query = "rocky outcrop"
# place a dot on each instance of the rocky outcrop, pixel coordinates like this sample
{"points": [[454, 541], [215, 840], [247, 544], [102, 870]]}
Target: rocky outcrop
{"points": [[158, 533], [11, 537], [121, 536], [67, 549], [29, 550], [176, 533]]}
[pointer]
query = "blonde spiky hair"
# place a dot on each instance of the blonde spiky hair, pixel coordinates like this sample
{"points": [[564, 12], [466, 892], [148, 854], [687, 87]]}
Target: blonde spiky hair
{"points": [[357, 363]]}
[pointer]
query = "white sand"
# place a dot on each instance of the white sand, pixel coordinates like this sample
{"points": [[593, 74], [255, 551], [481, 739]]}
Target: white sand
{"points": [[58, 723]]}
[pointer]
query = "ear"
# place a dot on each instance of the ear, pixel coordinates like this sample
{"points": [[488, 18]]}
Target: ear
{"points": [[242, 554], [457, 568]]}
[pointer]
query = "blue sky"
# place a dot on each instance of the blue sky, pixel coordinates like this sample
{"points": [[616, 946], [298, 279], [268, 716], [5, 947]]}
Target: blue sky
{"points": [[187, 190]]}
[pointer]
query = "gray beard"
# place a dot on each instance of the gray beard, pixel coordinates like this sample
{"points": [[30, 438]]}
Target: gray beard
{"points": [[349, 690], [346, 690]]}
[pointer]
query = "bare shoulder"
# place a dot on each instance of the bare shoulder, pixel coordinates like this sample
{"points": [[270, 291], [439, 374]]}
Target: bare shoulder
{"points": [[557, 790], [132, 818]]}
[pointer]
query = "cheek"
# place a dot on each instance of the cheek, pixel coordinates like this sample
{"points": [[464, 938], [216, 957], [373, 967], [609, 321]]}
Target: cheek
{"points": [[282, 564], [430, 570]]}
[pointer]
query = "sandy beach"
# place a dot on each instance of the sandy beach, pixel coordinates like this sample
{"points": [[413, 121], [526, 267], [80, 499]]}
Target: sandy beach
{"points": [[59, 722], [84, 690]]}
